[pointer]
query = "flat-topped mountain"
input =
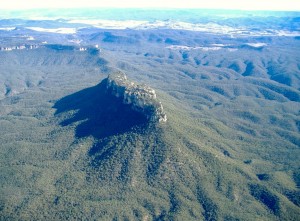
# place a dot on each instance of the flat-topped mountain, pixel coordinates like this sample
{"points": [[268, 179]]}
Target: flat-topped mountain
{"points": [[141, 97], [114, 106]]}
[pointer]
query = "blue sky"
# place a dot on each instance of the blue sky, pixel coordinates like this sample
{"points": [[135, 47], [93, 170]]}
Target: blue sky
{"points": [[277, 5]]}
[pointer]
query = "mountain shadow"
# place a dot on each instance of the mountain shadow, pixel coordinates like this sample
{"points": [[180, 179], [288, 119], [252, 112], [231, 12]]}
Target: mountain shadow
{"points": [[120, 134], [97, 113]]}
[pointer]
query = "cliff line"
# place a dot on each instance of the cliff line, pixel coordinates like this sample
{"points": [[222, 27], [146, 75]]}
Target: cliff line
{"points": [[141, 97]]}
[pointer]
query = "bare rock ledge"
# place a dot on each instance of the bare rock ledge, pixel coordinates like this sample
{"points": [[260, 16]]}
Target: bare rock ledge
{"points": [[141, 97]]}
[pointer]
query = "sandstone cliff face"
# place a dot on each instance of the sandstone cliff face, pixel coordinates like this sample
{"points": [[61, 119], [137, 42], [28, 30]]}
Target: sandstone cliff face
{"points": [[141, 97]]}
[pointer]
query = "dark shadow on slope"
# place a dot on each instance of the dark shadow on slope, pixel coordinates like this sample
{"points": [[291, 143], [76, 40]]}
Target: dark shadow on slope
{"points": [[210, 209], [269, 199], [97, 113]]}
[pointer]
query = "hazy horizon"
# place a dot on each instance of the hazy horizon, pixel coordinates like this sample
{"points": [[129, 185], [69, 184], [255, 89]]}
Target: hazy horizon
{"points": [[138, 14], [264, 5]]}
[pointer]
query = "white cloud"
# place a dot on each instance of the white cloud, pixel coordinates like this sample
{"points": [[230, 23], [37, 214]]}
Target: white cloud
{"points": [[54, 30]]}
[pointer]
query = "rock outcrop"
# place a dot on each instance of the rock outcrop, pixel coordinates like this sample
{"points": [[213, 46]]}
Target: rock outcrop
{"points": [[141, 97]]}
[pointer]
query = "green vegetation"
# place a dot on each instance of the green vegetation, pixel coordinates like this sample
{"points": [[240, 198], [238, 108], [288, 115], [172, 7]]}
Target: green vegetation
{"points": [[229, 150]]}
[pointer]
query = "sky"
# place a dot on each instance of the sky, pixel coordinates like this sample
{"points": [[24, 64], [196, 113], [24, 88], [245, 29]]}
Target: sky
{"points": [[276, 5]]}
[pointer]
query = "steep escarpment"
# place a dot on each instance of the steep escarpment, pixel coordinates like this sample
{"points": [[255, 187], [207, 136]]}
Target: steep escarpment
{"points": [[112, 107], [141, 97]]}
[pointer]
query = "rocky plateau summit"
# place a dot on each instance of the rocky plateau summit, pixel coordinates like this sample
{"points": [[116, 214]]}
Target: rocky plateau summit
{"points": [[141, 97]]}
